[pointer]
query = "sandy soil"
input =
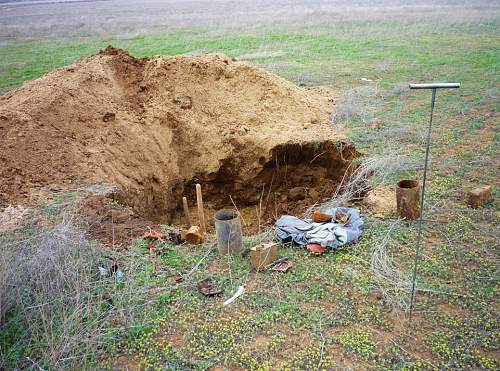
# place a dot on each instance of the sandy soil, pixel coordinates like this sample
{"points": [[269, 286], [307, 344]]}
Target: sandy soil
{"points": [[154, 127]]}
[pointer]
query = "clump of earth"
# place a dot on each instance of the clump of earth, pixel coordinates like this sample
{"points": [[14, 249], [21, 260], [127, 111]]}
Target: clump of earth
{"points": [[154, 127]]}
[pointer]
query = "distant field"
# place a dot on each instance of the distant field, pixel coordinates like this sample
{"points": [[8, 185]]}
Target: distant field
{"points": [[327, 312]]}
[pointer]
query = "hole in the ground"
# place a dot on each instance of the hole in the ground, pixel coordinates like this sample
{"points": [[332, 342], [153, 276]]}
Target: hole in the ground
{"points": [[290, 179]]}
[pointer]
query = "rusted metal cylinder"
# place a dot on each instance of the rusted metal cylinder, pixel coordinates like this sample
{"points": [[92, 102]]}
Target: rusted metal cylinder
{"points": [[408, 199], [228, 230]]}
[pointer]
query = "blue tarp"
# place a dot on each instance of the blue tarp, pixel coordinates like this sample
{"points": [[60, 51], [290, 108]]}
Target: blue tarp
{"points": [[330, 235]]}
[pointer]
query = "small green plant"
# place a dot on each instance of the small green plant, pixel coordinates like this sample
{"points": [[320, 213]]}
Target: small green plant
{"points": [[358, 342], [309, 358]]}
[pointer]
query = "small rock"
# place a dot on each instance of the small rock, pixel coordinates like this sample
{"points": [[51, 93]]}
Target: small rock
{"points": [[297, 193], [194, 235], [479, 197], [184, 101], [243, 130], [109, 116]]}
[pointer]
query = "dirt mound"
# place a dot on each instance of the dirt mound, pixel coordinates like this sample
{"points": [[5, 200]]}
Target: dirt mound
{"points": [[155, 126]]}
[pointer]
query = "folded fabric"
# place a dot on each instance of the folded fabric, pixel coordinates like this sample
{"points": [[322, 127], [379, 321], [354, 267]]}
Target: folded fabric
{"points": [[330, 234]]}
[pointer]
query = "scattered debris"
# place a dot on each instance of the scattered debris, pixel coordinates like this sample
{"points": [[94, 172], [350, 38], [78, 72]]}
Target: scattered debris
{"points": [[207, 287], [345, 228], [114, 264], [261, 256], [238, 293], [315, 248], [479, 197], [282, 265], [342, 217], [113, 270], [119, 276], [194, 235], [319, 217], [176, 236], [103, 272], [154, 234]]}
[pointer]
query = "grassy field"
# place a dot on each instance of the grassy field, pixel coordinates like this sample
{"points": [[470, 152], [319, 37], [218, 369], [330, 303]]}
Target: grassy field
{"points": [[332, 311]]}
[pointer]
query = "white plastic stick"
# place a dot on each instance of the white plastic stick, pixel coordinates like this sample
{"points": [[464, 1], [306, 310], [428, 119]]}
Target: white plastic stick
{"points": [[240, 291]]}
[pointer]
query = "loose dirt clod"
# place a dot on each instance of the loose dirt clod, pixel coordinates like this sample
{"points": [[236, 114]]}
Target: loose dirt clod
{"points": [[154, 127], [479, 197], [319, 217], [381, 200], [194, 235]]}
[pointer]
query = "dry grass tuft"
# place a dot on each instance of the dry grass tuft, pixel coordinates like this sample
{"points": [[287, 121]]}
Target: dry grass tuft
{"points": [[47, 294]]}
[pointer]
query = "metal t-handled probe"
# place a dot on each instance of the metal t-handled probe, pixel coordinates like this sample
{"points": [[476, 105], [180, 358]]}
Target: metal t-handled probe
{"points": [[434, 87]]}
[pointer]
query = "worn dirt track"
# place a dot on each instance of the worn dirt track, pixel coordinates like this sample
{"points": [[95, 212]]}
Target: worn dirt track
{"points": [[155, 126]]}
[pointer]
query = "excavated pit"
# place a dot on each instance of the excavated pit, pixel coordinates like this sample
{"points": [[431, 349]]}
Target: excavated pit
{"points": [[154, 127], [294, 178]]}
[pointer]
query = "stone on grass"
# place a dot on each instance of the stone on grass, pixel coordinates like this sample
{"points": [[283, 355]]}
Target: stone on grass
{"points": [[479, 196]]}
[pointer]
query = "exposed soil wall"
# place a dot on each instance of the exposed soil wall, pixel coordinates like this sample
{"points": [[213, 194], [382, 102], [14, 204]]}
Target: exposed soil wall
{"points": [[155, 126]]}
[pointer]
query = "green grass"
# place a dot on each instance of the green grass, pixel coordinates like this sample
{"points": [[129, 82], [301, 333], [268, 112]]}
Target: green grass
{"points": [[324, 58], [327, 312]]}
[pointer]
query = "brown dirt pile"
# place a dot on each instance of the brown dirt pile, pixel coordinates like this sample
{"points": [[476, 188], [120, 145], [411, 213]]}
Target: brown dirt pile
{"points": [[155, 126]]}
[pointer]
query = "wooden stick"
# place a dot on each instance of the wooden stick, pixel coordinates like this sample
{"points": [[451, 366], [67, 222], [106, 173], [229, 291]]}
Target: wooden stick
{"points": [[199, 201], [186, 211]]}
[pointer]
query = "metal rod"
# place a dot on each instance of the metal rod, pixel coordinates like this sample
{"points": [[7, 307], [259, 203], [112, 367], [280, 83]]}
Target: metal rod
{"points": [[434, 87], [439, 85], [420, 221]]}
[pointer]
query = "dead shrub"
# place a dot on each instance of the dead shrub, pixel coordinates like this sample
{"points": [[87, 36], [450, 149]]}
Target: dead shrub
{"points": [[48, 302]]}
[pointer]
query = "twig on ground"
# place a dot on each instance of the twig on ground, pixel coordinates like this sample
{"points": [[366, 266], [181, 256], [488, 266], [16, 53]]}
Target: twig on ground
{"points": [[196, 266]]}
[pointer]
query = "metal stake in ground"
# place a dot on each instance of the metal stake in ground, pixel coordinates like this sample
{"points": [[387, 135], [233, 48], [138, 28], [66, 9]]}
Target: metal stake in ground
{"points": [[434, 87]]}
